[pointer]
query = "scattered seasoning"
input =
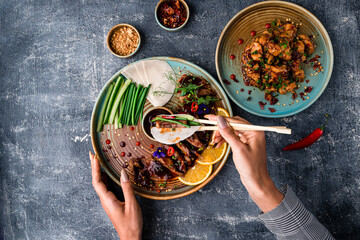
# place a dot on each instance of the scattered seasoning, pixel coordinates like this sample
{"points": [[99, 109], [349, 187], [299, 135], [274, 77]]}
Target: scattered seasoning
{"points": [[122, 144], [227, 82], [107, 141], [240, 41], [249, 92], [123, 154], [125, 165], [248, 99], [158, 190], [138, 143], [253, 33], [232, 56], [307, 80], [294, 95], [232, 76], [262, 105], [272, 110], [302, 96], [151, 145], [237, 92], [129, 154], [109, 147], [132, 128], [267, 26], [241, 90], [104, 150], [124, 41], [308, 89], [172, 14], [309, 140]]}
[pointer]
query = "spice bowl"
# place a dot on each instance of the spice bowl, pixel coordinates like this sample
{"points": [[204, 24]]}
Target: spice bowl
{"points": [[186, 9], [119, 35], [148, 115]]}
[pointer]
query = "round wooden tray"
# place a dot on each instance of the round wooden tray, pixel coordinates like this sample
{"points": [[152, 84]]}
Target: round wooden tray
{"points": [[110, 154]]}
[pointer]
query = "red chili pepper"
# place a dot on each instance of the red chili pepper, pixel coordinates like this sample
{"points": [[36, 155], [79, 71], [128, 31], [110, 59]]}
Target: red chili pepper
{"points": [[309, 140], [168, 117], [194, 107], [170, 151]]}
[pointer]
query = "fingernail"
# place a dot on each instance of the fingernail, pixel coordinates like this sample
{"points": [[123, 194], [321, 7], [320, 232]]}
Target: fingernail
{"points": [[222, 122], [124, 176], [90, 156]]}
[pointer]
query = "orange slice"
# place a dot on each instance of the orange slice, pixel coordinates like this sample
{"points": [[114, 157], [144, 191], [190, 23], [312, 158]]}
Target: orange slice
{"points": [[197, 174], [213, 155], [222, 112]]}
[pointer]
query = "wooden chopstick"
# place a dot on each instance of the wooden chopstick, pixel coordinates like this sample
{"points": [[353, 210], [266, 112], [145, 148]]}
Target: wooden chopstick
{"points": [[281, 130]]}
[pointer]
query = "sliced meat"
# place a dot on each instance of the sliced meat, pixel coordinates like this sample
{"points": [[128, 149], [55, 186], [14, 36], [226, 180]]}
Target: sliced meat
{"points": [[195, 141], [164, 124], [178, 159], [169, 164], [184, 149], [205, 92]]}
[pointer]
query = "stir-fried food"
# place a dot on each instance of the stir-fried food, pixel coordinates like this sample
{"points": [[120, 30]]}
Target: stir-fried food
{"points": [[273, 61], [197, 99]]}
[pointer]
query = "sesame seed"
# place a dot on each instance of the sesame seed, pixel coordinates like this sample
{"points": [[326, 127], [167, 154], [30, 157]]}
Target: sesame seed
{"points": [[322, 51], [297, 100], [129, 138], [115, 131], [312, 74], [101, 140], [307, 97], [305, 87], [300, 24], [284, 104], [305, 94], [118, 135], [278, 103], [237, 92]]}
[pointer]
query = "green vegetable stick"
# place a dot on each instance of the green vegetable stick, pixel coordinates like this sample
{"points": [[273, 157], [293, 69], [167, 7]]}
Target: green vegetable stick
{"points": [[111, 100], [116, 119], [117, 101], [122, 108], [139, 87], [128, 101], [103, 108], [142, 103], [128, 118]]}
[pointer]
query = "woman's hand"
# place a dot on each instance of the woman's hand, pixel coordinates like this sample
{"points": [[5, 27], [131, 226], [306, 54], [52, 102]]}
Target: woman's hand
{"points": [[249, 155], [125, 216]]}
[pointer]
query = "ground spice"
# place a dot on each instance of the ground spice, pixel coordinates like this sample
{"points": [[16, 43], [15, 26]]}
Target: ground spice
{"points": [[124, 41]]}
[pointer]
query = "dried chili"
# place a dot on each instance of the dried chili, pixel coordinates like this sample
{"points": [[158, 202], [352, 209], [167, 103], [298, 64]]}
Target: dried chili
{"points": [[172, 14]]}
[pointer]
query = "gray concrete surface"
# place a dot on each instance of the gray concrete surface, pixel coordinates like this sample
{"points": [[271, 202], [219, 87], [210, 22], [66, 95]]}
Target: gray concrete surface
{"points": [[53, 63]]}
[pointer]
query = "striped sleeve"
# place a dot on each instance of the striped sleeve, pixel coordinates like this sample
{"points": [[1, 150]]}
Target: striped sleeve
{"points": [[291, 220]]}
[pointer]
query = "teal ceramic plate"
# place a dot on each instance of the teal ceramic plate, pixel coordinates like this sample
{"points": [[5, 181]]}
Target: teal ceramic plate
{"points": [[109, 155], [254, 18]]}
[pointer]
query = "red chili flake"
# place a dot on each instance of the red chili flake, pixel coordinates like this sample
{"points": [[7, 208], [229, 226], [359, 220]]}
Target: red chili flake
{"points": [[262, 105], [307, 80], [267, 26], [132, 128], [108, 141], [302, 96], [227, 82], [151, 145], [232, 76], [248, 99], [158, 190], [253, 33], [308, 89], [241, 90], [232, 56], [109, 147], [249, 92], [137, 143], [122, 154], [240, 41], [272, 110], [294, 96]]}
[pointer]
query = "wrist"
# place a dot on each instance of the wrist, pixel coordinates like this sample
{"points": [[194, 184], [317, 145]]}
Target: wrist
{"points": [[264, 192]]}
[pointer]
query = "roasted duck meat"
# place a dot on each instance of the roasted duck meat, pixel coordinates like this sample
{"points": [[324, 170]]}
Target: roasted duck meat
{"points": [[169, 164], [178, 159], [163, 124], [195, 141]]}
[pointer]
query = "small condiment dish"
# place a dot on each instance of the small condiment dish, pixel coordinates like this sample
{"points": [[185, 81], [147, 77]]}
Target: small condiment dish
{"points": [[110, 33], [172, 29], [152, 112]]}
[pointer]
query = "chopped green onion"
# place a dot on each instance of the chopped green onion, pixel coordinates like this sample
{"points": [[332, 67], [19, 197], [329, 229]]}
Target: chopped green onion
{"points": [[169, 120]]}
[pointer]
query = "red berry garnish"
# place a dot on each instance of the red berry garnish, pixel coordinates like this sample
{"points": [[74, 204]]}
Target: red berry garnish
{"points": [[151, 145], [232, 56], [123, 154], [132, 128], [253, 33], [108, 141], [137, 143], [267, 26], [240, 41], [232, 76]]}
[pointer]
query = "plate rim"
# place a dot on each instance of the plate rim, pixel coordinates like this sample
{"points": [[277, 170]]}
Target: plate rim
{"points": [[331, 58], [108, 168]]}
